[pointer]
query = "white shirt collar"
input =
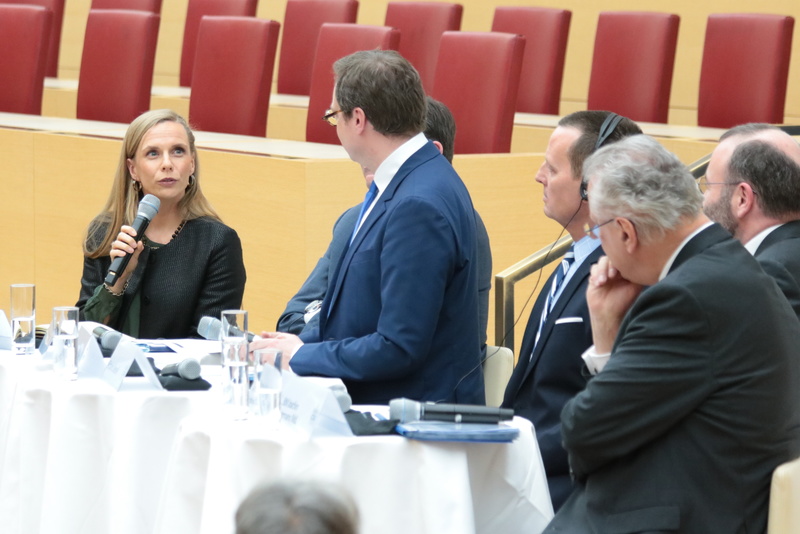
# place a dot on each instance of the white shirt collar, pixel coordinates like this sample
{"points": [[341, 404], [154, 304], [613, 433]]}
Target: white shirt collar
{"points": [[671, 260], [389, 167], [759, 238]]}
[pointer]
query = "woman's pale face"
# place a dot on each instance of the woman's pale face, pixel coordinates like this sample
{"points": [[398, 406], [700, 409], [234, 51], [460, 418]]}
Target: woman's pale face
{"points": [[163, 162]]}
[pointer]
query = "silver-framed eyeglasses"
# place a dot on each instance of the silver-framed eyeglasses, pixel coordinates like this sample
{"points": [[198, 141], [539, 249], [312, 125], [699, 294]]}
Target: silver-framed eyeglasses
{"points": [[703, 183], [591, 231]]}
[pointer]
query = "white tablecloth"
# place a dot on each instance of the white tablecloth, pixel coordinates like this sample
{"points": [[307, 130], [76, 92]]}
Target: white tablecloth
{"points": [[79, 457]]}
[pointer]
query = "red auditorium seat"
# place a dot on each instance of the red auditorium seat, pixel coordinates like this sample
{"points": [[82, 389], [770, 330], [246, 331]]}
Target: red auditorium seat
{"points": [[745, 69], [194, 12], [421, 26], [301, 23], [634, 56], [477, 77], [25, 31], [545, 31], [335, 42], [116, 74], [153, 6], [57, 7], [232, 76]]}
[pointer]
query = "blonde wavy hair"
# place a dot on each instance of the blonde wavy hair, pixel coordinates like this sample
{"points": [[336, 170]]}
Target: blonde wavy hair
{"points": [[123, 201]]}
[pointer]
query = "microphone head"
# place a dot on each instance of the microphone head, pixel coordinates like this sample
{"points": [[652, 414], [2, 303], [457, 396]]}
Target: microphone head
{"points": [[189, 369], [110, 339], [148, 207], [406, 410], [209, 327]]}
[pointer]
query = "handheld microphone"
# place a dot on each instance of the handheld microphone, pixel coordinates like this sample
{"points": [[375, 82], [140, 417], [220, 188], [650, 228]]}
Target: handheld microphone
{"points": [[148, 208], [188, 369], [108, 338], [407, 410], [211, 328]]}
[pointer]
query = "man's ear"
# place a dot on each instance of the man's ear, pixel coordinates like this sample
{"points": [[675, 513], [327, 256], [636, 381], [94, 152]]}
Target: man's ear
{"points": [[438, 145], [628, 234], [359, 119], [743, 200]]}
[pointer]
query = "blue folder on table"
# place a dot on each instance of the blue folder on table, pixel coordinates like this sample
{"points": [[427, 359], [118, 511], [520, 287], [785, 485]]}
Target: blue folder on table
{"points": [[445, 431]]}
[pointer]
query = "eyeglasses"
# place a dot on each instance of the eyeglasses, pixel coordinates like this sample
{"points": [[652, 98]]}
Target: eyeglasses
{"points": [[330, 116], [703, 183], [591, 231]]}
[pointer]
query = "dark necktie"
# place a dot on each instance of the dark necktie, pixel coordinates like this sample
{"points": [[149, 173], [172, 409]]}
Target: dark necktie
{"points": [[558, 279]]}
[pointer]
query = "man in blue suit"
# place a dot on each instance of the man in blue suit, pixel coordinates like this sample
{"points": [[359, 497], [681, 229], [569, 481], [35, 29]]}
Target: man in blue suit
{"points": [[400, 318], [548, 371]]}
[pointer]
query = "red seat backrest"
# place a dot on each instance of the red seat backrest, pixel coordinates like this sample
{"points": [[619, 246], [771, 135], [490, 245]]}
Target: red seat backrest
{"points": [[546, 31], [194, 12], [632, 65], [116, 75], [477, 77], [745, 69], [232, 76], [421, 26], [54, 42], [301, 23], [24, 35]]}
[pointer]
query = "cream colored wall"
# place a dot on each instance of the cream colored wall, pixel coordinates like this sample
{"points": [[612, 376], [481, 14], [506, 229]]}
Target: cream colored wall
{"points": [[478, 17]]}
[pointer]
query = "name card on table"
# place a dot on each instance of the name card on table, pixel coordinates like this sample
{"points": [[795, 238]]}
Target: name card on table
{"points": [[5, 332], [120, 362], [310, 406]]}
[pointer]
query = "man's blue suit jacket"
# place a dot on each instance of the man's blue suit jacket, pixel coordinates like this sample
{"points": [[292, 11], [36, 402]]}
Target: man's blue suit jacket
{"points": [[401, 317]]}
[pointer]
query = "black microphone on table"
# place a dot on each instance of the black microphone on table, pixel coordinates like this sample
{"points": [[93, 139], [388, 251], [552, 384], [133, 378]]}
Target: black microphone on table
{"points": [[211, 328], [407, 410], [148, 208]]}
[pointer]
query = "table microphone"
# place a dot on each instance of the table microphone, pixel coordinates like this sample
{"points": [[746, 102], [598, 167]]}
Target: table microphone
{"points": [[188, 369], [407, 410], [211, 328], [148, 208]]}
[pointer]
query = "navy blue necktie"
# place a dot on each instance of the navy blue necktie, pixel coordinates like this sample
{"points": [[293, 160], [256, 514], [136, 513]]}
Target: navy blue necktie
{"points": [[368, 198], [558, 279]]}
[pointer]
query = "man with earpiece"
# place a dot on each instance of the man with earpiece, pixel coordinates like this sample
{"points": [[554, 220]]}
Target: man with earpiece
{"points": [[549, 368]]}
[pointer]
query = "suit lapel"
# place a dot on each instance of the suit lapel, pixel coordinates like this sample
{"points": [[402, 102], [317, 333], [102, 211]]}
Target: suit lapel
{"points": [[419, 157], [790, 230], [710, 236], [566, 296]]}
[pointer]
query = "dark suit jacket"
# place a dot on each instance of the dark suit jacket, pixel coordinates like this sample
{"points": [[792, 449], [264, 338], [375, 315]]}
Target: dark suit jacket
{"points": [[200, 272], [779, 256], [539, 387], [696, 407], [403, 312]]}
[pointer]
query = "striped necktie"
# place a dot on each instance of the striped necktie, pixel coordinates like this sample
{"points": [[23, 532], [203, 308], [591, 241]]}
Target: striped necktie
{"points": [[558, 279], [368, 198]]}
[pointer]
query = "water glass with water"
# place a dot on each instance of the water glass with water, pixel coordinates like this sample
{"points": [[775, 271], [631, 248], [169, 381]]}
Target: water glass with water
{"points": [[65, 341], [236, 382], [265, 391], [23, 318]]}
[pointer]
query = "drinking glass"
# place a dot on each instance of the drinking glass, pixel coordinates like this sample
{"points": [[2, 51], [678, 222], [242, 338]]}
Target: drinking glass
{"points": [[233, 337], [265, 392], [23, 318], [65, 341]]}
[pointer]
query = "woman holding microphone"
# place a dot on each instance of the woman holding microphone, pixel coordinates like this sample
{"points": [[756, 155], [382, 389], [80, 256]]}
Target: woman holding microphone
{"points": [[186, 265]]}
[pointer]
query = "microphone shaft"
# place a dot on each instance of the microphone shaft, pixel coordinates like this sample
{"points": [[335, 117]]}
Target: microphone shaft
{"points": [[117, 267]]}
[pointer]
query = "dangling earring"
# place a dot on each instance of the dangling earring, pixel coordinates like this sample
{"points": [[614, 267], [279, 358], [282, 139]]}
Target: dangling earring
{"points": [[192, 181], [136, 185]]}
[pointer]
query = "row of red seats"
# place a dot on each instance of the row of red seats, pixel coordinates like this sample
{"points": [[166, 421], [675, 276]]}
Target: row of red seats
{"points": [[631, 71]]}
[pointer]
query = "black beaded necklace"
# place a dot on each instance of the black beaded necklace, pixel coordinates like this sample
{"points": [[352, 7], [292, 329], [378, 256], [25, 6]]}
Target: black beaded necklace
{"points": [[151, 245]]}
